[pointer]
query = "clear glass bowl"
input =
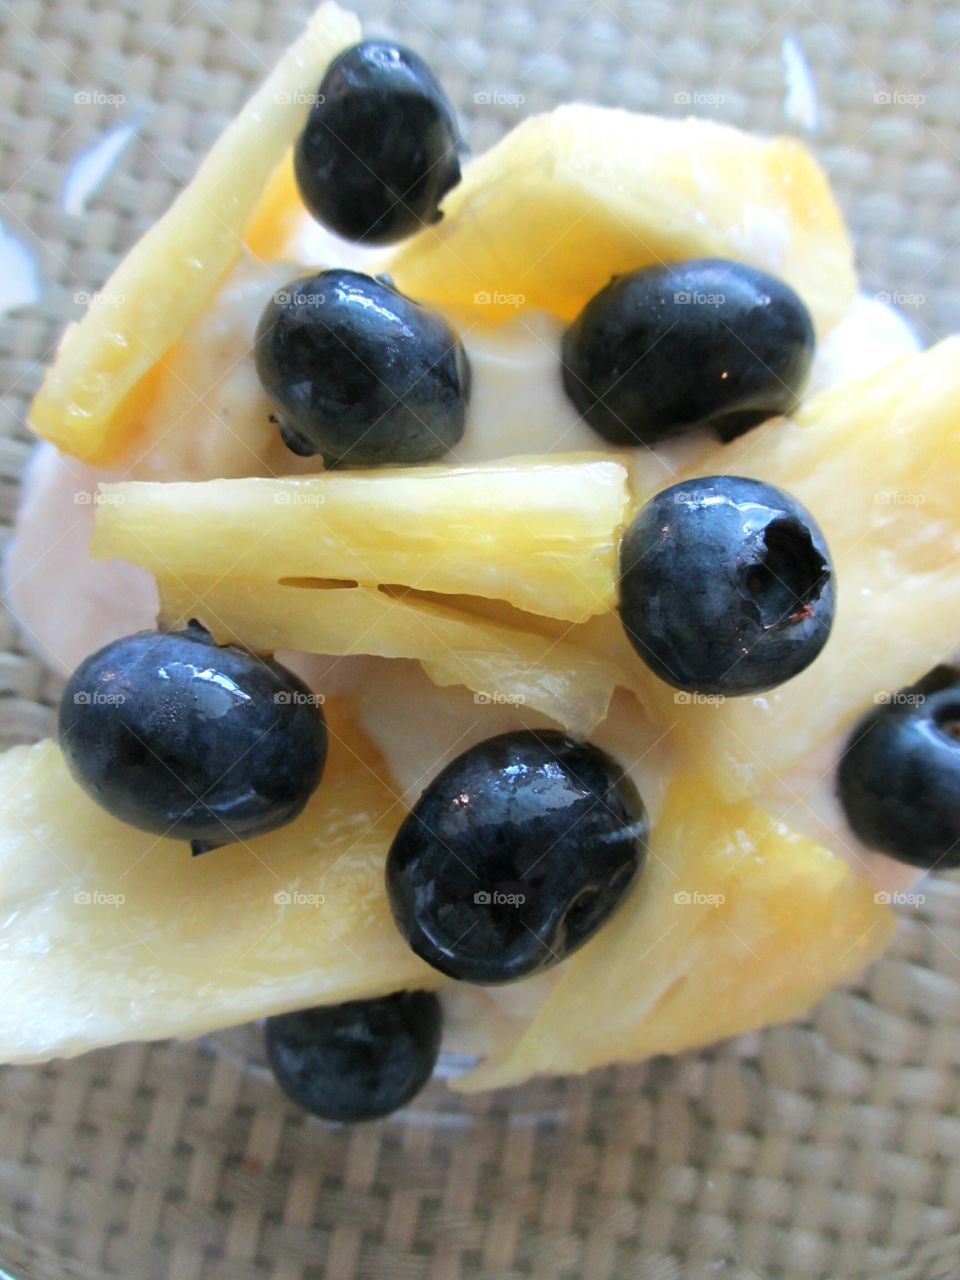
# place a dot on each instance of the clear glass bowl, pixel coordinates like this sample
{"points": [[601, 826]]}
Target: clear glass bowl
{"points": [[826, 1148]]}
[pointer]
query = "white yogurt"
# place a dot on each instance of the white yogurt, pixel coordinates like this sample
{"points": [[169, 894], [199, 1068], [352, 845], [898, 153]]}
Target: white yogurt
{"points": [[871, 335], [68, 605]]}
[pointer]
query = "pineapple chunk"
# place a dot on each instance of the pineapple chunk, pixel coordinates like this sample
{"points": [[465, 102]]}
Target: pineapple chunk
{"points": [[542, 535], [875, 461], [568, 199], [112, 934], [736, 923], [570, 685], [89, 403], [278, 214]]}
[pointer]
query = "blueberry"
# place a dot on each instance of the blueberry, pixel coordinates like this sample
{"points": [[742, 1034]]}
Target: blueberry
{"points": [[726, 586], [360, 373], [356, 1061], [899, 776], [707, 342], [515, 855], [379, 150], [173, 734]]}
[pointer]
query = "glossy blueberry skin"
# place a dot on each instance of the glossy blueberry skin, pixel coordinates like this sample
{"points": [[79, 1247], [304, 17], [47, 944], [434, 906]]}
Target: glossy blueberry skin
{"points": [[379, 150], [359, 1060], [726, 586], [526, 813], [899, 776], [361, 374], [176, 735], [656, 352]]}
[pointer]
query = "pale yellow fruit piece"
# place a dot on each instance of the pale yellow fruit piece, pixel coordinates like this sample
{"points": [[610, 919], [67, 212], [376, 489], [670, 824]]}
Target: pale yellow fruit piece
{"points": [[876, 462], [736, 923], [569, 684], [542, 535], [570, 198], [278, 214], [172, 273], [111, 934]]}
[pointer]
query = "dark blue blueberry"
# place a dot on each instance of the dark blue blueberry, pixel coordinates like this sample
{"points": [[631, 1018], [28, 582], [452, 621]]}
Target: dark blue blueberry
{"points": [[726, 586], [707, 342], [515, 855], [176, 735], [899, 776], [361, 374], [356, 1061], [379, 150]]}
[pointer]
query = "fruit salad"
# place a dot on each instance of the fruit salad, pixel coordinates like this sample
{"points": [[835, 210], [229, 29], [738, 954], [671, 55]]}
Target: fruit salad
{"points": [[507, 605]]}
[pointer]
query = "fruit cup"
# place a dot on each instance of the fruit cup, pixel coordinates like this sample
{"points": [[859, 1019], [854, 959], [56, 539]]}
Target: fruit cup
{"points": [[825, 1146]]}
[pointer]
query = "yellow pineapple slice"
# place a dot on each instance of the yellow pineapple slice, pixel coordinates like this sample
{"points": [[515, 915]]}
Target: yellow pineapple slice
{"points": [[737, 923], [875, 461], [568, 199], [277, 215], [167, 279], [112, 934], [569, 684], [540, 534]]}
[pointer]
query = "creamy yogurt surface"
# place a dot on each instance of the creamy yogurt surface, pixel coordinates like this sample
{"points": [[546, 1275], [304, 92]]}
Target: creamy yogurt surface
{"points": [[196, 429]]}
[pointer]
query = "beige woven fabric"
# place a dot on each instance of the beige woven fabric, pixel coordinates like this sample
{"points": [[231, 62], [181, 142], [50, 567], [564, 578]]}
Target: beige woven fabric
{"points": [[829, 1148]]}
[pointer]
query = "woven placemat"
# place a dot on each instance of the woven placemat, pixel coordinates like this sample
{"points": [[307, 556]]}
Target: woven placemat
{"points": [[828, 1148]]}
